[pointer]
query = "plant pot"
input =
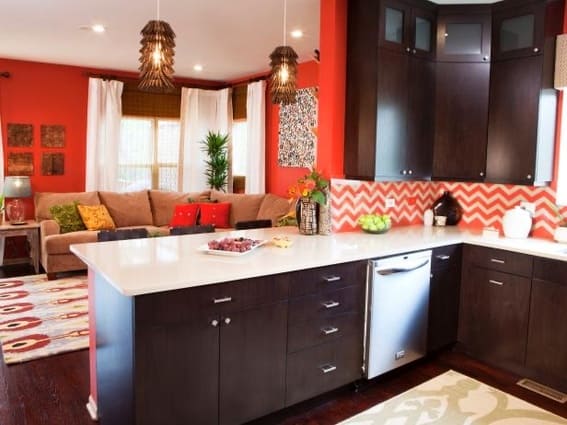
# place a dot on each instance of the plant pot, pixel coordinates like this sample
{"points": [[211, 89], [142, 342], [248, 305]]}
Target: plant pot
{"points": [[306, 213]]}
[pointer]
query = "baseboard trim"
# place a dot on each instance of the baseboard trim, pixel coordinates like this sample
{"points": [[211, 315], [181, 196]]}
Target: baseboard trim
{"points": [[92, 408], [543, 390]]}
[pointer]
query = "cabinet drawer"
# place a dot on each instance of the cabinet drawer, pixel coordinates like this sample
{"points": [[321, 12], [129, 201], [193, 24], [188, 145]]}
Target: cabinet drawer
{"points": [[550, 270], [500, 260], [315, 332], [446, 257], [323, 368], [319, 306], [327, 278]]}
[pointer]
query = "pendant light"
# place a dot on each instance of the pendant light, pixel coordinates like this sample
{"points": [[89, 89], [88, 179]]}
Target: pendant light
{"points": [[283, 62], [156, 56]]}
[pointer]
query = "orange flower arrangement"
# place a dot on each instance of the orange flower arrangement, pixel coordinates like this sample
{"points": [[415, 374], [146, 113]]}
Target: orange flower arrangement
{"points": [[312, 186]]}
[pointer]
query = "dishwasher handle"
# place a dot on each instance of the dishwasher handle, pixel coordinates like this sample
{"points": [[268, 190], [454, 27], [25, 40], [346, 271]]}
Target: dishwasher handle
{"points": [[393, 270]]}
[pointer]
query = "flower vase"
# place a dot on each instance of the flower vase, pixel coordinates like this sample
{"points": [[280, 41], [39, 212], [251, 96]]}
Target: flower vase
{"points": [[325, 215], [307, 216]]}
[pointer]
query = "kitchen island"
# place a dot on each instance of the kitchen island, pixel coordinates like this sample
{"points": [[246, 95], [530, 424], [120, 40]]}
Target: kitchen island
{"points": [[183, 334]]}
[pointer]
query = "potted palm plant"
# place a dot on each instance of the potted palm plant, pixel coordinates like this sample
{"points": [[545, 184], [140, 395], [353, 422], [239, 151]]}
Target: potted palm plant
{"points": [[215, 145]]}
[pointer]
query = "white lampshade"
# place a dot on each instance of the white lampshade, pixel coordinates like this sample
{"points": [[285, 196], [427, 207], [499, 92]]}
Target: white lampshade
{"points": [[560, 82], [17, 187]]}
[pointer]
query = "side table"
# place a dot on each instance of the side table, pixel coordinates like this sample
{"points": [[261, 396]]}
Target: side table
{"points": [[31, 231]]}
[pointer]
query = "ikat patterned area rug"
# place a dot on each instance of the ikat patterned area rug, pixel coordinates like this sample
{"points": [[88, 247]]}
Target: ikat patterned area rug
{"points": [[454, 399], [39, 318]]}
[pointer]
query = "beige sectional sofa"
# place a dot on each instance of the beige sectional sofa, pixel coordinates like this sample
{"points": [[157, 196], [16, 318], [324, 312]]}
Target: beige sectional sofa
{"points": [[151, 209]]}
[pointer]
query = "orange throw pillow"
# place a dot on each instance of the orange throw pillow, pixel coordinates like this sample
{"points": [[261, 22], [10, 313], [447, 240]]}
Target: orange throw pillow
{"points": [[215, 213], [96, 217], [184, 215]]}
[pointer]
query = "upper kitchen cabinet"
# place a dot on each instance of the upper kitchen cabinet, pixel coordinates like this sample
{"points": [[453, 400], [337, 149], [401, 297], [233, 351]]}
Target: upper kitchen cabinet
{"points": [[463, 33], [518, 29], [390, 87], [522, 105], [407, 27]]}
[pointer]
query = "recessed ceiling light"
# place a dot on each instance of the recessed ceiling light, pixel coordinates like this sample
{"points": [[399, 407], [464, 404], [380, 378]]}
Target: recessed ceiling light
{"points": [[98, 28], [297, 33], [198, 67]]}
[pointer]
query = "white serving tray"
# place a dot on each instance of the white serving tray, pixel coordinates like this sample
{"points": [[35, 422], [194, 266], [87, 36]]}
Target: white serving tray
{"points": [[205, 248]]}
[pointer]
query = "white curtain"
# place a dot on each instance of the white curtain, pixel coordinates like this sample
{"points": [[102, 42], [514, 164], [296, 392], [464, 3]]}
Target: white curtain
{"points": [[256, 132], [201, 111], [2, 239], [103, 134]]}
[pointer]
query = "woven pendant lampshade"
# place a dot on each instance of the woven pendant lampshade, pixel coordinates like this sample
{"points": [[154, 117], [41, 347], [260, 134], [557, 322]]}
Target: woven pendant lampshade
{"points": [[283, 76], [156, 57]]}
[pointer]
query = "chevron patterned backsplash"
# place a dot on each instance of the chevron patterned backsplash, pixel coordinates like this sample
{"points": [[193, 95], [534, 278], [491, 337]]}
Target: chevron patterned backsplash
{"points": [[483, 204]]}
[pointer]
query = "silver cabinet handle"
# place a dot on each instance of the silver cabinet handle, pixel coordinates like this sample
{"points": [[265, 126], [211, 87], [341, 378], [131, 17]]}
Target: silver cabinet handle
{"points": [[410, 172], [227, 320], [408, 49], [222, 300], [329, 330], [485, 58], [443, 257], [497, 261], [328, 368], [330, 279], [536, 49], [496, 282], [215, 323], [414, 51], [481, 174], [331, 304], [529, 177], [404, 172]]}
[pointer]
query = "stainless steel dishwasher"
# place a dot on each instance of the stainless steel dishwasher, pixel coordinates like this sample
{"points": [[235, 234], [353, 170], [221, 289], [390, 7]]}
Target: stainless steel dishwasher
{"points": [[397, 305]]}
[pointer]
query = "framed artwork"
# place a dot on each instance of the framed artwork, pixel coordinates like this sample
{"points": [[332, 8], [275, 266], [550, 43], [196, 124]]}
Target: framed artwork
{"points": [[52, 136], [297, 145], [20, 135], [52, 164], [20, 164]]}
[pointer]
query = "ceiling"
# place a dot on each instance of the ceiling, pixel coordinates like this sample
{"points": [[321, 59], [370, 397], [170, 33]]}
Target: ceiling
{"points": [[231, 39]]}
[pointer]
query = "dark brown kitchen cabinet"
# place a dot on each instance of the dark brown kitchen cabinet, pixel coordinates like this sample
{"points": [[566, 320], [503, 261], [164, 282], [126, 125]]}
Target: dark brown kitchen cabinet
{"points": [[463, 33], [494, 308], [547, 337], [444, 297], [523, 102], [389, 119], [461, 121]]}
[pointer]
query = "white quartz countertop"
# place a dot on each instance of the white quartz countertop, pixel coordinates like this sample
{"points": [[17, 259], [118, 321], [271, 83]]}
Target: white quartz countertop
{"points": [[143, 266]]}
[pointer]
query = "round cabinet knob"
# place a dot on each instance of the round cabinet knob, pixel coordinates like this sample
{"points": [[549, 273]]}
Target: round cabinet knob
{"points": [[410, 172], [414, 51], [485, 58], [529, 177], [215, 323], [227, 321], [404, 172], [408, 49], [536, 49], [481, 174]]}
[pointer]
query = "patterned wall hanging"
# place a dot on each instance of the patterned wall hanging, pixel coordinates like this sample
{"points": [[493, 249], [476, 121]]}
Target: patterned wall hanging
{"points": [[20, 135], [20, 164], [52, 164], [298, 130], [52, 136]]}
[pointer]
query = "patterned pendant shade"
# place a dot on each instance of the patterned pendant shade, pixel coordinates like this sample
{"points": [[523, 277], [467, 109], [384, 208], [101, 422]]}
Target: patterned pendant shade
{"points": [[156, 57], [283, 77]]}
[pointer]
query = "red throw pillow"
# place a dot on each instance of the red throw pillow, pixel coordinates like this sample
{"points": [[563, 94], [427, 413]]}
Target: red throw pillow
{"points": [[215, 213], [184, 215]]}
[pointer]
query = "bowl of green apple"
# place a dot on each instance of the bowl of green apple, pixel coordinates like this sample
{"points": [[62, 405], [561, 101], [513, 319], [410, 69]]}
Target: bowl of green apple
{"points": [[375, 223]]}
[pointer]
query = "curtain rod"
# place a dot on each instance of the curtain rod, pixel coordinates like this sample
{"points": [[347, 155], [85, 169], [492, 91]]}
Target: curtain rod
{"points": [[5, 74], [250, 80], [135, 80]]}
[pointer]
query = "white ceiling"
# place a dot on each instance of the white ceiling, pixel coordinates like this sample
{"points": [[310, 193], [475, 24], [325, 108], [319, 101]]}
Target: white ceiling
{"points": [[230, 38]]}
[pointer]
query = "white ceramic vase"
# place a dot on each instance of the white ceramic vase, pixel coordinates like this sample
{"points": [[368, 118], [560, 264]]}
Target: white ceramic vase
{"points": [[517, 223]]}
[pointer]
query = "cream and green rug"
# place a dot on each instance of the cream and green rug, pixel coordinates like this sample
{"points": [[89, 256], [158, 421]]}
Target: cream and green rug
{"points": [[39, 318], [454, 399]]}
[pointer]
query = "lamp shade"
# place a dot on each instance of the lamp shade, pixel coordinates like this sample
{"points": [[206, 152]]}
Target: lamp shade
{"points": [[17, 187], [560, 82]]}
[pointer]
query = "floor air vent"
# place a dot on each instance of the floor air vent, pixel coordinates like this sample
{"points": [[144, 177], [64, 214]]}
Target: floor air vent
{"points": [[543, 390]]}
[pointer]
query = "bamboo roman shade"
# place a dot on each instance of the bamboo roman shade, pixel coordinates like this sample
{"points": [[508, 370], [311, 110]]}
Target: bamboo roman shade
{"points": [[239, 102], [144, 104]]}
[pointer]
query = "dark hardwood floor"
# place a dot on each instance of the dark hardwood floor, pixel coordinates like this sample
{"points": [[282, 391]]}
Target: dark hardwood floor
{"points": [[54, 390]]}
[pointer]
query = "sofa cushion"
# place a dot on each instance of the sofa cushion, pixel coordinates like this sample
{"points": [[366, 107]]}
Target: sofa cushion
{"points": [[96, 217], [185, 215], [68, 217], [215, 213], [45, 200], [129, 208], [59, 244], [273, 207], [163, 203], [243, 207]]}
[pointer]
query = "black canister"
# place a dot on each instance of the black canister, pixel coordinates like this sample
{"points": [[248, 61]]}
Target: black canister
{"points": [[449, 207]]}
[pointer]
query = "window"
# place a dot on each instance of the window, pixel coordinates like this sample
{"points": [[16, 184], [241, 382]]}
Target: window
{"points": [[148, 156], [239, 137]]}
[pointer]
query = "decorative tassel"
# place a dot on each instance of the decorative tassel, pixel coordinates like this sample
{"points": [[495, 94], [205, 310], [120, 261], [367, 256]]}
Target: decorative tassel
{"points": [[284, 75], [156, 57]]}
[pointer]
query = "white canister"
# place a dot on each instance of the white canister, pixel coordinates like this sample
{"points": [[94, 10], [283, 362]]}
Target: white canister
{"points": [[517, 223], [428, 218]]}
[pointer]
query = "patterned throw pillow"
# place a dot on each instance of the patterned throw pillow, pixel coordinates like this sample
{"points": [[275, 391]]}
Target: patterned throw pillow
{"points": [[68, 218], [216, 213], [96, 217], [184, 215]]}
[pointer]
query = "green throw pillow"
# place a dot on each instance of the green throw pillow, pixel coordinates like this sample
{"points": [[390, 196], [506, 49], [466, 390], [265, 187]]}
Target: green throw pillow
{"points": [[68, 217]]}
